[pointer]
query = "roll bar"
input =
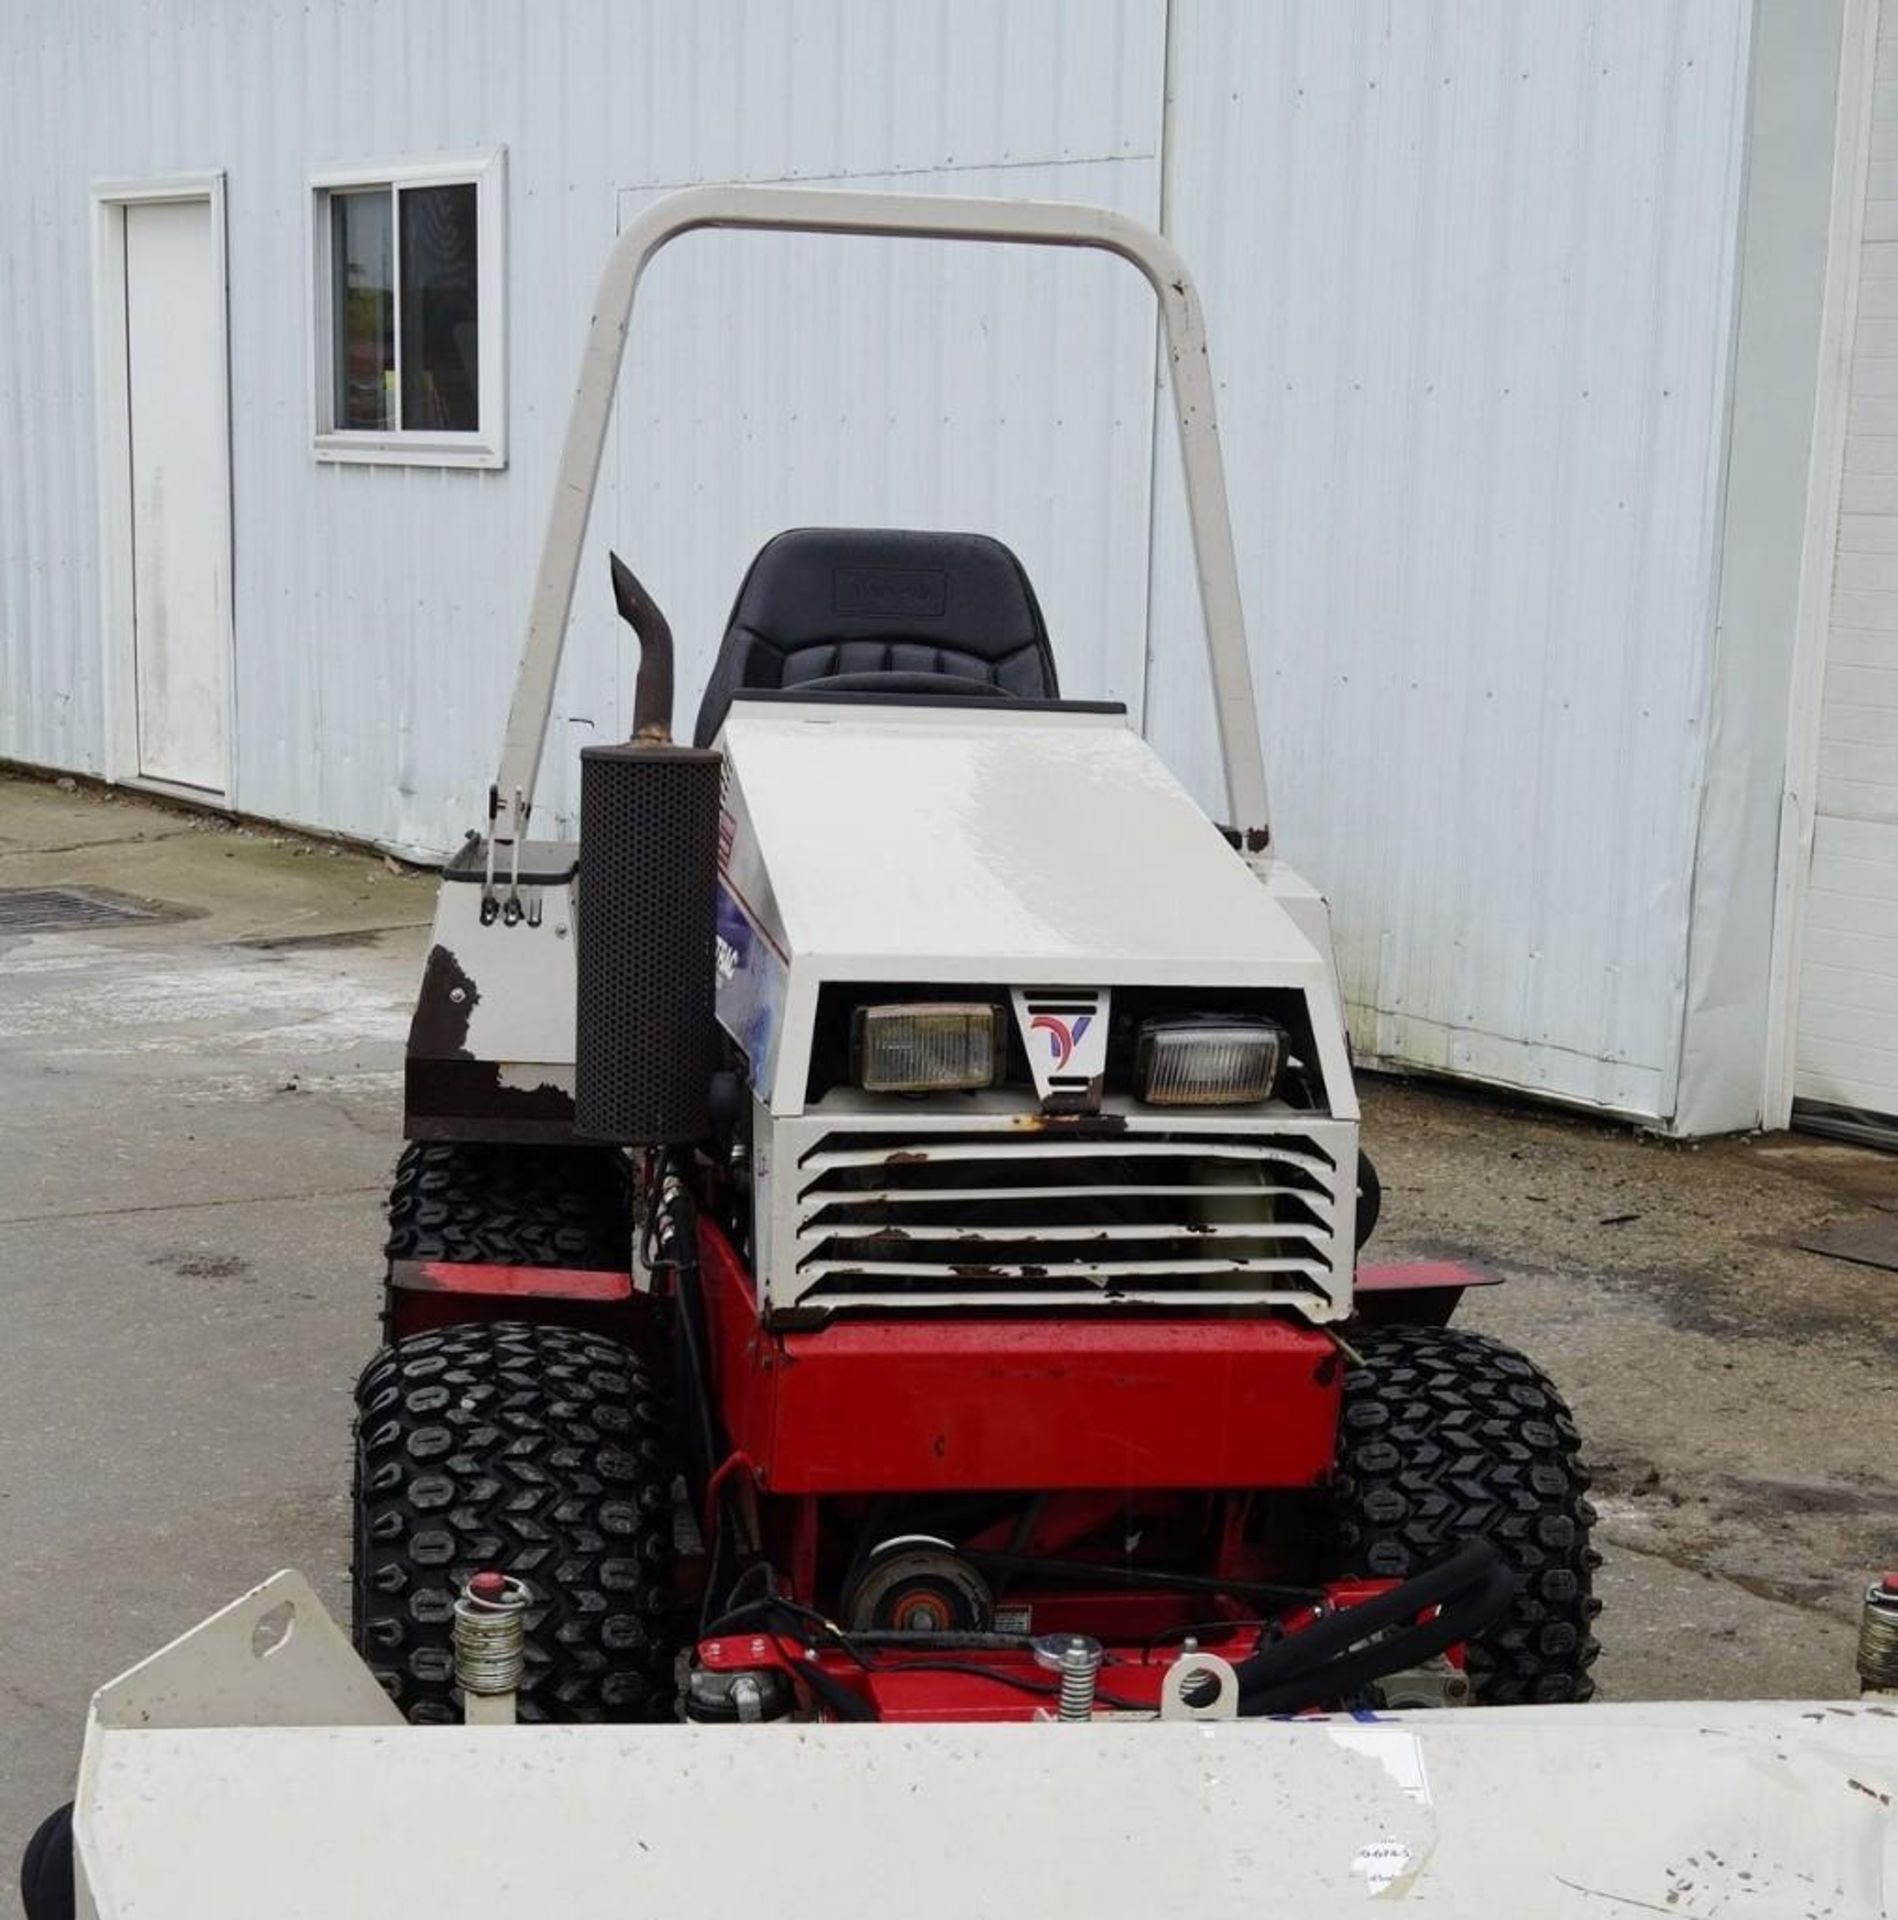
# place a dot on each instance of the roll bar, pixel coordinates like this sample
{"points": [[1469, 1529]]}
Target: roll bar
{"points": [[1040, 223]]}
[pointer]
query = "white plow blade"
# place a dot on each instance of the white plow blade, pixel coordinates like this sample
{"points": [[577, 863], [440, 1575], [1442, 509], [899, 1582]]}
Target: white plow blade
{"points": [[1759, 1810]]}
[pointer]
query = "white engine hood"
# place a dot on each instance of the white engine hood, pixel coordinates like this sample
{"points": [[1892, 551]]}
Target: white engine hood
{"points": [[1030, 848]]}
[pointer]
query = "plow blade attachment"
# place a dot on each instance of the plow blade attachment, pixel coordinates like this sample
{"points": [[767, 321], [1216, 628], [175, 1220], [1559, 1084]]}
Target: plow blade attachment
{"points": [[254, 1769]]}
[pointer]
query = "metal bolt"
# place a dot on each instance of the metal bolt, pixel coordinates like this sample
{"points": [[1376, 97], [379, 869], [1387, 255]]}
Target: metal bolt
{"points": [[1077, 1659], [748, 1698], [457, 994]]}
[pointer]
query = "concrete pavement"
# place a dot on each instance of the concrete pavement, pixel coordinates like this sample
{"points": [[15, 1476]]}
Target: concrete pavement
{"points": [[197, 1118]]}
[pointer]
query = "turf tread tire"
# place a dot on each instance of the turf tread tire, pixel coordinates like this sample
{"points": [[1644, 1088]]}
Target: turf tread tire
{"points": [[1445, 1436], [544, 1451], [511, 1205]]}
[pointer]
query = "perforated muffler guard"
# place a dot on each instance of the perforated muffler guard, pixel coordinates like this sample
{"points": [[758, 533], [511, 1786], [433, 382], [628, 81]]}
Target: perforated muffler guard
{"points": [[645, 927]]}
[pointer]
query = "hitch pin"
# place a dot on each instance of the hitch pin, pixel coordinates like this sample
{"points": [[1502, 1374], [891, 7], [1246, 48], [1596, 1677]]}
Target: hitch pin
{"points": [[490, 1647]]}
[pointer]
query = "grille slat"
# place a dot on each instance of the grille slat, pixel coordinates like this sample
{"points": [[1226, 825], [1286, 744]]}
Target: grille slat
{"points": [[1032, 1270], [962, 1295], [1037, 1147], [1020, 1218], [1093, 1232], [1076, 1191]]}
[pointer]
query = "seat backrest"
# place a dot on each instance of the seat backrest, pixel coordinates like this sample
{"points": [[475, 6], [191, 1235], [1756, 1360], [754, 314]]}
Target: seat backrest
{"points": [[822, 602]]}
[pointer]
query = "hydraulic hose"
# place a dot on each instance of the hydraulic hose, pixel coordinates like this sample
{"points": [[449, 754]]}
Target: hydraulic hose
{"points": [[840, 1699], [1338, 1655], [675, 1245]]}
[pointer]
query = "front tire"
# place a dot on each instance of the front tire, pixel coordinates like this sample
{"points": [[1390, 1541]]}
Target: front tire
{"points": [[545, 1452], [1447, 1436]]}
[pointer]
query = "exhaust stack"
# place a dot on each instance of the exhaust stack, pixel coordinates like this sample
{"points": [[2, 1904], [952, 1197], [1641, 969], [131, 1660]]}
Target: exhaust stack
{"points": [[652, 688], [646, 918]]}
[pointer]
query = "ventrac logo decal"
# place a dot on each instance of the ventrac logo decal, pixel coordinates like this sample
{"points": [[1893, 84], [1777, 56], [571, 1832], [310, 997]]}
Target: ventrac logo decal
{"points": [[1064, 1032], [1063, 1035]]}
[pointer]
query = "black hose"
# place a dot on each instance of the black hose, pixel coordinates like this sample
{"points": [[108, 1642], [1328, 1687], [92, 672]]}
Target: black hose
{"points": [[845, 1703], [1348, 1674], [940, 1640], [1339, 1632], [1330, 1659], [676, 1244], [1089, 1573], [807, 1622]]}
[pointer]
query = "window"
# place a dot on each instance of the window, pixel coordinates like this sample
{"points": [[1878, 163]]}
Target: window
{"points": [[408, 364]]}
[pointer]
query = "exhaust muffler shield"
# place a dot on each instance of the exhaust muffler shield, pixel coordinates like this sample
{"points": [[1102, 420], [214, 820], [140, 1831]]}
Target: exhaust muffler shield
{"points": [[645, 927]]}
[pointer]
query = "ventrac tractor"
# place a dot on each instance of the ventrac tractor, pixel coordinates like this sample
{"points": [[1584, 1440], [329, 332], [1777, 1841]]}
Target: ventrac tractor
{"points": [[879, 1242], [880, 1227]]}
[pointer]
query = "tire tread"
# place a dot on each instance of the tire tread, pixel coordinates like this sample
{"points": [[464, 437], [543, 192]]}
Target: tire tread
{"points": [[511, 1205], [545, 1451], [1446, 1435]]}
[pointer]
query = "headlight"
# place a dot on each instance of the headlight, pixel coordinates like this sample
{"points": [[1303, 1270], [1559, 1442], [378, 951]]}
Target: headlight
{"points": [[1208, 1063], [930, 1048]]}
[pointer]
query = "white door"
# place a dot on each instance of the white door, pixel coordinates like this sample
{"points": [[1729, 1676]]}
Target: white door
{"points": [[180, 480], [1845, 1067]]}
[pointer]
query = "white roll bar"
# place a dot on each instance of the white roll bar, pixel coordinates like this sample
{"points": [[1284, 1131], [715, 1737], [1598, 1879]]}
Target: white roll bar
{"points": [[898, 216]]}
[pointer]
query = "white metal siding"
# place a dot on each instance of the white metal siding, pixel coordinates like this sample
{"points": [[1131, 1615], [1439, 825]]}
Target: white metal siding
{"points": [[1469, 279], [1846, 1047], [51, 709], [379, 610], [1469, 273]]}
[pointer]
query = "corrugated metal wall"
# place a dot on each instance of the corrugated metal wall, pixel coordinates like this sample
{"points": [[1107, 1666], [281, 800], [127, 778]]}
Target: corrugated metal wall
{"points": [[1847, 1046], [50, 649], [379, 609], [1469, 272]]}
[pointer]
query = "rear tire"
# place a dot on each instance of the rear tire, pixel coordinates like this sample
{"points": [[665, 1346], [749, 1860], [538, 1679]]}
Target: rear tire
{"points": [[1370, 1198], [1447, 1436], [511, 1206], [545, 1452]]}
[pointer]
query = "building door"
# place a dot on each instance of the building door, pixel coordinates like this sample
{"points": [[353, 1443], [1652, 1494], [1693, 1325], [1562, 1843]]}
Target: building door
{"points": [[179, 471], [1845, 1062]]}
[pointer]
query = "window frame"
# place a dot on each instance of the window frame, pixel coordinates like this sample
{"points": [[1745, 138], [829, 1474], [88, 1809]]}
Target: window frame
{"points": [[486, 172]]}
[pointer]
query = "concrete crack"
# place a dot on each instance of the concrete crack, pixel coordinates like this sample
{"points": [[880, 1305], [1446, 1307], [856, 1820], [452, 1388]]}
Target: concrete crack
{"points": [[184, 1206]]}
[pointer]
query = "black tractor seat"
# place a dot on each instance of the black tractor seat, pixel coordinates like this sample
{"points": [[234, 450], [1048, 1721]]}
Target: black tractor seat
{"points": [[867, 612]]}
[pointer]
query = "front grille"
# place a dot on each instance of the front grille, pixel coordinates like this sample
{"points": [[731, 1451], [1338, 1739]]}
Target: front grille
{"points": [[1032, 1219]]}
